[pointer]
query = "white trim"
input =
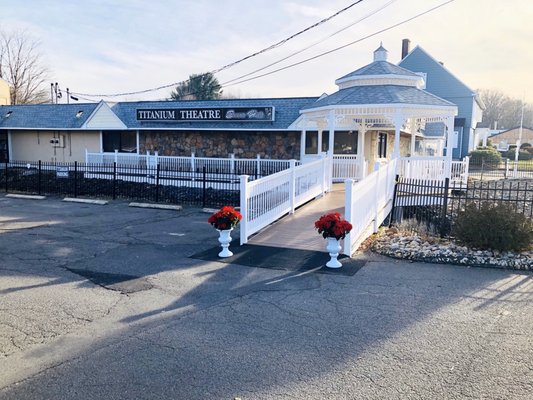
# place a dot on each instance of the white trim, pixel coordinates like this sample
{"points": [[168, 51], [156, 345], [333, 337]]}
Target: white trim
{"points": [[137, 138], [379, 109], [190, 128], [418, 80], [119, 124], [101, 142]]}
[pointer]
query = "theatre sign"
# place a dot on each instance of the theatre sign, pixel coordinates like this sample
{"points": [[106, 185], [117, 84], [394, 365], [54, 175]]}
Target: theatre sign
{"points": [[206, 114]]}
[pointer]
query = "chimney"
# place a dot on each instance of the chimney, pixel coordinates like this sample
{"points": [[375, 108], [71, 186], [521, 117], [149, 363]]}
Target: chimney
{"points": [[406, 47]]}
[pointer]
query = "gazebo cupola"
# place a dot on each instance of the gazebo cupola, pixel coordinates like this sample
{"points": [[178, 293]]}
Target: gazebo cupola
{"points": [[381, 72]]}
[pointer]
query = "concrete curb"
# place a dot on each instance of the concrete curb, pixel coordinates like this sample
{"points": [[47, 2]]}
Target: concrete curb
{"points": [[25, 196], [157, 206], [85, 201]]}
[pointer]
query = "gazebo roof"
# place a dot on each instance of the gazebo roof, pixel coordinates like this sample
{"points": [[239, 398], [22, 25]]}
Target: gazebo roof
{"points": [[379, 94], [380, 68]]}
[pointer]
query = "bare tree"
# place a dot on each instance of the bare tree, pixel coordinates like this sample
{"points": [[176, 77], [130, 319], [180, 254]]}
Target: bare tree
{"points": [[21, 67], [504, 110]]}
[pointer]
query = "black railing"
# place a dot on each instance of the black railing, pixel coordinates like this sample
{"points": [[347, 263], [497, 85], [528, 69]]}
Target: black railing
{"points": [[434, 204], [202, 187], [506, 169]]}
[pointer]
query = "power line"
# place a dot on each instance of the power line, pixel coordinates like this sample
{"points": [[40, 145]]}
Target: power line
{"points": [[275, 45], [314, 44], [338, 48]]}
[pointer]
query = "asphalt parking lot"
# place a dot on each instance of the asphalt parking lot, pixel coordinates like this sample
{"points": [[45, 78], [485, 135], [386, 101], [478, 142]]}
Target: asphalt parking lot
{"points": [[105, 302]]}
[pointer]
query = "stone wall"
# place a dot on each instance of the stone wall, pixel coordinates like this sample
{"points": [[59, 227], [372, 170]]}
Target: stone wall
{"points": [[274, 145]]}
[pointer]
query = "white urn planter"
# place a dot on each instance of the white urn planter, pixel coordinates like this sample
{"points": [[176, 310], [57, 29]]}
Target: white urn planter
{"points": [[224, 239], [333, 247]]}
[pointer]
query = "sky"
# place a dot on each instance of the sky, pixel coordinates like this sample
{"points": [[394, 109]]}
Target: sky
{"points": [[99, 47]]}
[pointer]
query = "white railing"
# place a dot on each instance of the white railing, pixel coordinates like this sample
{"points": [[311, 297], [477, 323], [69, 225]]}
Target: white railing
{"points": [[367, 204], [252, 166], [346, 167], [433, 169], [426, 168], [267, 199]]}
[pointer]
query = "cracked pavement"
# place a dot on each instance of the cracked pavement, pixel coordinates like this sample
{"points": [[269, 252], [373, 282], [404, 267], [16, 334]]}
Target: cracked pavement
{"points": [[104, 302]]}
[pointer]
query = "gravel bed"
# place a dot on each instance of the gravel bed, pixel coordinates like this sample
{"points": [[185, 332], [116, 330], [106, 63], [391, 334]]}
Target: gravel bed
{"points": [[408, 246]]}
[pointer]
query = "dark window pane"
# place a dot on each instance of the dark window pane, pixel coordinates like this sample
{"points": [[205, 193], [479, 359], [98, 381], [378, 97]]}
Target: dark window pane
{"points": [[311, 142], [346, 142], [123, 141]]}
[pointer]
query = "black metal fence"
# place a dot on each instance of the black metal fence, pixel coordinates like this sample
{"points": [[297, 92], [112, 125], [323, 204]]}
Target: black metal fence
{"points": [[435, 204], [201, 187], [506, 169]]}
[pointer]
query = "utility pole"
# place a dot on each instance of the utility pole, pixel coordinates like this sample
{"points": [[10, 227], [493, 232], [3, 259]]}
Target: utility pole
{"points": [[519, 141]]}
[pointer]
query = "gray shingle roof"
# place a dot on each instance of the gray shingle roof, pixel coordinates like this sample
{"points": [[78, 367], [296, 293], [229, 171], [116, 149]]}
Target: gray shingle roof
{"points": [[287, 110], [382, 94], [45, 116], [380, 68]]}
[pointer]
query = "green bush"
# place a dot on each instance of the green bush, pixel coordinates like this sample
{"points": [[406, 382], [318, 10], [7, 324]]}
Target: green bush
{"points": [[523, 154], [493, 226], [485, 154]]}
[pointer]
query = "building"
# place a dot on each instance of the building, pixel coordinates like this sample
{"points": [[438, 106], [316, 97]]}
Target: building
{"points": [[510, 137], [378, 113], [443, 83]]}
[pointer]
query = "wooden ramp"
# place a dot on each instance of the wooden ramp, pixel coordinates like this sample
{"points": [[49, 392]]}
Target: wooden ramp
{"points": [[297, 231]]}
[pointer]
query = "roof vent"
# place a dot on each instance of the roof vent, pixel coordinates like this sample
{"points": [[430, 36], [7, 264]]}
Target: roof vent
{"points": [[8, 114], [79, 114]]}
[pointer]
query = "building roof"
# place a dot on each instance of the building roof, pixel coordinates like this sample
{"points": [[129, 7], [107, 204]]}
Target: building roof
{"points": [[380, 94], [380, 68], [45, 116], [286, 112]]}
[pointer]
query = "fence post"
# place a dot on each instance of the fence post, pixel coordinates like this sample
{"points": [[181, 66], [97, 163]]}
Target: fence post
{"points": [[156, 155], [394, 194], [204, 178], [192, 163], [39, 180], [376, 200], [467, 169], [75, 179], [116, 156], [114, 181], [258, 168], [506, 168], [348, 187], [444, 207], [86, 156], [6, 176], [157, 183], [244, 209], [323, 168], [232, 163], [292, 187]]}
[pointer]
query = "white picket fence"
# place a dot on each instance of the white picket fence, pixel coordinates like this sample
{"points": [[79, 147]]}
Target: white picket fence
{"points": [[433, 169], [367, 204], [265, 200], [347, 166], [252, 166]]}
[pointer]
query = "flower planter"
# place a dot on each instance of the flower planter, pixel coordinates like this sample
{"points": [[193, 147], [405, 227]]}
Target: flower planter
{"points": [[224, 239], [333, 247]]}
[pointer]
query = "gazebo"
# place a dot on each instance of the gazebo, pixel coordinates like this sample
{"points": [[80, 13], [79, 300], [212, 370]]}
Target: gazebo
{"points": [[374, 103]]}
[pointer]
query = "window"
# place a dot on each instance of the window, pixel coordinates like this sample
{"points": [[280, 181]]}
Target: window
{"points": [[311, 142], [123, 141], [325, 141], [382, 145], [345, 142]]}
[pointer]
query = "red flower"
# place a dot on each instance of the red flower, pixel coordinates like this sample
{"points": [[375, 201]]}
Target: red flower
{"points": [[225, 218], [332, 225]]}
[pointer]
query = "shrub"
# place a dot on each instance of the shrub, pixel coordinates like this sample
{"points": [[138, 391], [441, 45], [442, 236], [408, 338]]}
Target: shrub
{"points": [[523, 154], [493, 226], [485, 154]]}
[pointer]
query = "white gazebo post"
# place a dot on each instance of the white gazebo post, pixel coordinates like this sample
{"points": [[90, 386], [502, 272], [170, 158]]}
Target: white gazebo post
{"points": [[331, 142], [449, 146], [361, 131], [302, 139], [413, 136], [398, 120]]}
